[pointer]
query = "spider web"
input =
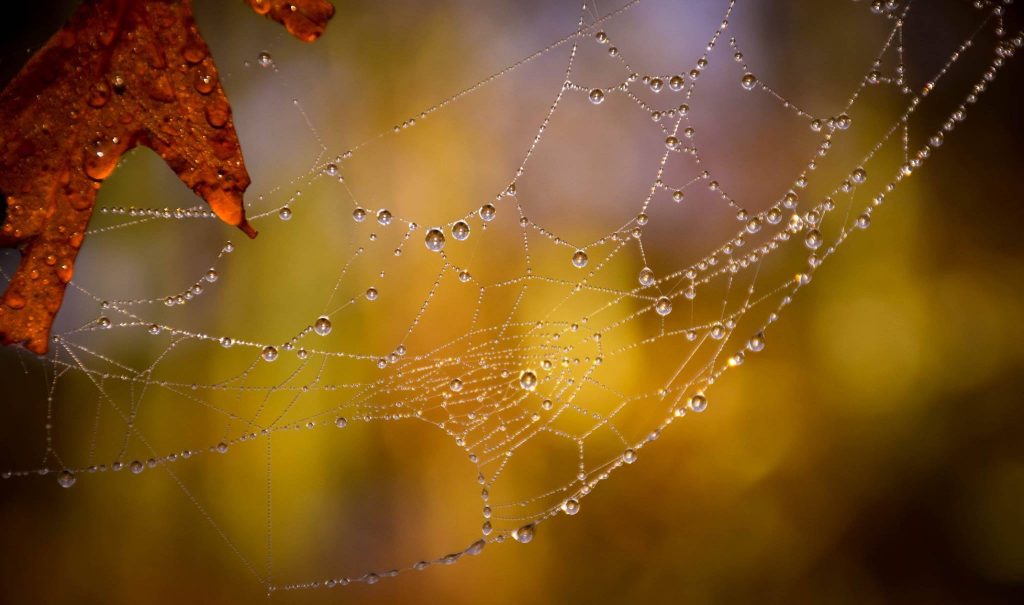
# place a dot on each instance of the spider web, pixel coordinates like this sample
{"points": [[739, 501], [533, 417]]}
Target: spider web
{"points": [[545, 319]]}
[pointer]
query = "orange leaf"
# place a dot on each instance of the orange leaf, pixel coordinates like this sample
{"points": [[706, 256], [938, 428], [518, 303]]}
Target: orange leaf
{"points": [[119, 74]]}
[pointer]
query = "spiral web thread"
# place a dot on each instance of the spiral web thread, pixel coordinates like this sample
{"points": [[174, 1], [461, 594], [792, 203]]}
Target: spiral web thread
{"points": [[546, 327]]}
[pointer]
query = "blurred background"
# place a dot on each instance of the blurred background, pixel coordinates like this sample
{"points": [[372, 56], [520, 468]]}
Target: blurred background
{"points": [[871, 454]]}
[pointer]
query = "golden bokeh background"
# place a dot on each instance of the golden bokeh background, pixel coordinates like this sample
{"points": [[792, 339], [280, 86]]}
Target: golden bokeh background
{"points": [[871, 454]]}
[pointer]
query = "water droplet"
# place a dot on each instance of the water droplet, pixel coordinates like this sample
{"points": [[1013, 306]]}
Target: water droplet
{"points": [[813, 239], [571, 506], [269, 353], [434, 240], [322, 326], [341, 422], [383, 217], [756, 342], [359, 215], [843, 121], [222, 448], [371, 294], [476, 547], [528, 380], [629, 456], [285, 213], [66, 479], [264, 60], [136, 467], [101, 159], [487, 212], [859, 175], [204, 83], [460, 230], [217, 114], [597, 96], [698, 403], [194, 53], [455, 385], [672, 143], [524, 534], [99, 94], [663, 306], [646, 277], [749, 81], [579, 259]]}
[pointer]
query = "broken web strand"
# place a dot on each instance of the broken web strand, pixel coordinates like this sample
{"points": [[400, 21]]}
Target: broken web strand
{"points": [[685, 392]]}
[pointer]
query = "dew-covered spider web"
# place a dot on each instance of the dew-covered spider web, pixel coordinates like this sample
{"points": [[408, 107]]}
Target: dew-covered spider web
{"points": [[517, 284]]}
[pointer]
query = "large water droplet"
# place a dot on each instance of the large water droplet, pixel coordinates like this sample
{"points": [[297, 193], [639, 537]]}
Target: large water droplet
{"points": [[460, 230], [524, 534], [204, 83], [100, 159], [663, 306], [813, 239], [322, 326], [434, 240], [66, 479], [528, 380], [580, 259]]}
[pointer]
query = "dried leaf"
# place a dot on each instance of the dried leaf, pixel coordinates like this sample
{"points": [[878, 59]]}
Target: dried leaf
{"points": [[119, 74]]}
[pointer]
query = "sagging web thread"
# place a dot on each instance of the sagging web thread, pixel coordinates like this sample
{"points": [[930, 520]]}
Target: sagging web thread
{"points": [[502, 381]]}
